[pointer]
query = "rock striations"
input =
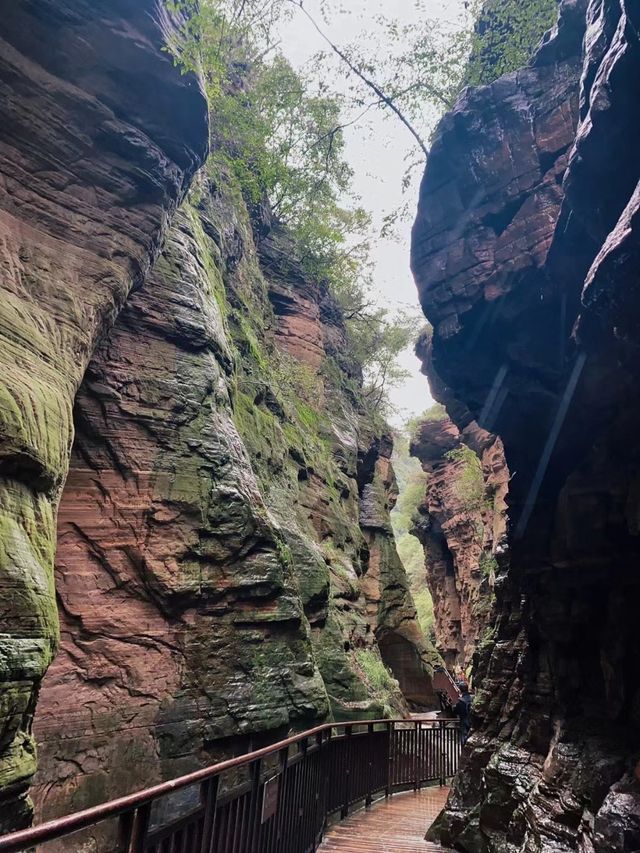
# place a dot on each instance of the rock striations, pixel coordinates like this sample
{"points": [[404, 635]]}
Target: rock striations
{"points": [[461, 524], [225, 568], [525, 254], [99, 138]]}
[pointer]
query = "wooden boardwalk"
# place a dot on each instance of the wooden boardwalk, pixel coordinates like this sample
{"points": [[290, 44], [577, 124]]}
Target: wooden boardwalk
{"points": [[396, 825]]}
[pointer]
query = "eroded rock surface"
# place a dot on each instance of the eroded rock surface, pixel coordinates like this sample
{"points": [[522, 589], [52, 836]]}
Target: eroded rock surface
{"points": [[210, 568], [180, 617], [524, 255], [390, 608], [461, 525], [99, 136]]}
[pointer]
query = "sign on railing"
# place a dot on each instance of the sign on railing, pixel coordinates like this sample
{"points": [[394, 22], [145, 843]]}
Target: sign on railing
{"points": [[275, 800]]}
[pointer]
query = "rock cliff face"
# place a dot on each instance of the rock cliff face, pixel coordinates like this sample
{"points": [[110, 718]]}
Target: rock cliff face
{"points": [[461, 525], [180, 617], [99, 137], [224, 565], [210, 568], [525, 255]]}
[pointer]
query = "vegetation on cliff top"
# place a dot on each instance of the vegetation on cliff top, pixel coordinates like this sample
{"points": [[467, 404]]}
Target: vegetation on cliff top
{"points": [[281, 134], [469, 484], [505, 36], [282, 131]]}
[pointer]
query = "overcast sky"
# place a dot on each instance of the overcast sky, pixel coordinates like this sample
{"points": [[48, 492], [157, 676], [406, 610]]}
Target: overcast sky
{"points": [[377, 151]]}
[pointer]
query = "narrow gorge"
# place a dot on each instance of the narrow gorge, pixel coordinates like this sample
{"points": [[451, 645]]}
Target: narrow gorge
{"points": [[197, 485]]}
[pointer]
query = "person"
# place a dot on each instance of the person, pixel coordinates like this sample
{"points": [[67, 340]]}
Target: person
{"points": [[463, 710]]}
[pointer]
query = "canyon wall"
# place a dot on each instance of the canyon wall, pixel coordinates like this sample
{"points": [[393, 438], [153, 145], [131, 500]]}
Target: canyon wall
{"points": [[461, 524], [99, 138], [525, 253], [185, 439], [225, 564]]}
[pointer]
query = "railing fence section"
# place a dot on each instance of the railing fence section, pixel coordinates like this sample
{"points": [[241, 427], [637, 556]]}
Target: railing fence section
{"points": [[275, 800]]}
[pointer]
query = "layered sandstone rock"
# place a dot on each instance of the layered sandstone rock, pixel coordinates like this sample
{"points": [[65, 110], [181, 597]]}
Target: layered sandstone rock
{"points": [[99, 136], [210, 571], [180, 617], [338, 480], [527, 232], [390, 608], [223, 573], [461, 525]]}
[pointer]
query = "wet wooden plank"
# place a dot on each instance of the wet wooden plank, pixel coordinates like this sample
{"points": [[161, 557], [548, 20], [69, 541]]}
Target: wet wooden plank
{"points": [[396, 825]]}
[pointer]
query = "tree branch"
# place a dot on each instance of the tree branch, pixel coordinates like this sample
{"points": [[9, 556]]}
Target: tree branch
{"points": [[384, 99]]}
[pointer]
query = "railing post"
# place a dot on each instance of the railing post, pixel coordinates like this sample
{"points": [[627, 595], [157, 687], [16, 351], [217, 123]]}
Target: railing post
{"points": [[387, 790], [134, 827], [344, 811], [321, 795], [416, 752], [371, 740], [328, 757], [283, 794], [209, 799], [441, 748], [254, 811], [303, 800]]}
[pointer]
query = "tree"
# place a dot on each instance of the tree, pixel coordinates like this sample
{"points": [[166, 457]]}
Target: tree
{"points": [[281, 133], [378, 340]]}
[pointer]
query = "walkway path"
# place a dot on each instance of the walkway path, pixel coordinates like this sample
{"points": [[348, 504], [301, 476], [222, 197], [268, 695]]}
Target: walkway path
{"points": [[396, 825]]}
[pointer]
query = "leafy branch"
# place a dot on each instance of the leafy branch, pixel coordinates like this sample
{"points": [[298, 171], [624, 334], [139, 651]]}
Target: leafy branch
{"points": [[368, 81]]}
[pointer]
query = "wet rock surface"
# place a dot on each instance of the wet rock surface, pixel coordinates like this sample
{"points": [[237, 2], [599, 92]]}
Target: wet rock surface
{"points": [[461, 524], [183, 439], [210, 575], [180, 619], [99, 138], [524, 255]]}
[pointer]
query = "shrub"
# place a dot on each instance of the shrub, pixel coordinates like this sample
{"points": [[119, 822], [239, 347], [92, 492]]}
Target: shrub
{"points": [[469, 485], [375, 672]]}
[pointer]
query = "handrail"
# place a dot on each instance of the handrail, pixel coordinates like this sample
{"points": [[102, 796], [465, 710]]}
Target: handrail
{"points": [[141, 801]]}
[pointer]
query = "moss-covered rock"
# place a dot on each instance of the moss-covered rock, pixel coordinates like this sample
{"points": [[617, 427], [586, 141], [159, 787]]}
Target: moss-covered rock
{"points": [[220, 574], [85, 196]]}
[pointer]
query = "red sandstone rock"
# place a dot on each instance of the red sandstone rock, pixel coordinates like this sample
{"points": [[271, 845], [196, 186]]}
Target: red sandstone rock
{"points": [[99, 137], [210, 575], [181, 625], [461, 526]]}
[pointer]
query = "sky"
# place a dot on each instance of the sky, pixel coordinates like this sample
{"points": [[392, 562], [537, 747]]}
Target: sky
{"points": [[377, 151]]}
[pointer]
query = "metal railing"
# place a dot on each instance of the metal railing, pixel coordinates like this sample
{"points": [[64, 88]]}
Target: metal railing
{"points": [[275, 800]]}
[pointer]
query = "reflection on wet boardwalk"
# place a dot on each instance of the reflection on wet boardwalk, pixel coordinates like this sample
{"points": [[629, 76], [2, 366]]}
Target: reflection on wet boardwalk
{"points": [[396, 825]]}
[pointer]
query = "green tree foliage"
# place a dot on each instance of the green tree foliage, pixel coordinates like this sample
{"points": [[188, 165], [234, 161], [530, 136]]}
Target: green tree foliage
{"points": [[281, 133], [505, 37], [424, 609]]}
